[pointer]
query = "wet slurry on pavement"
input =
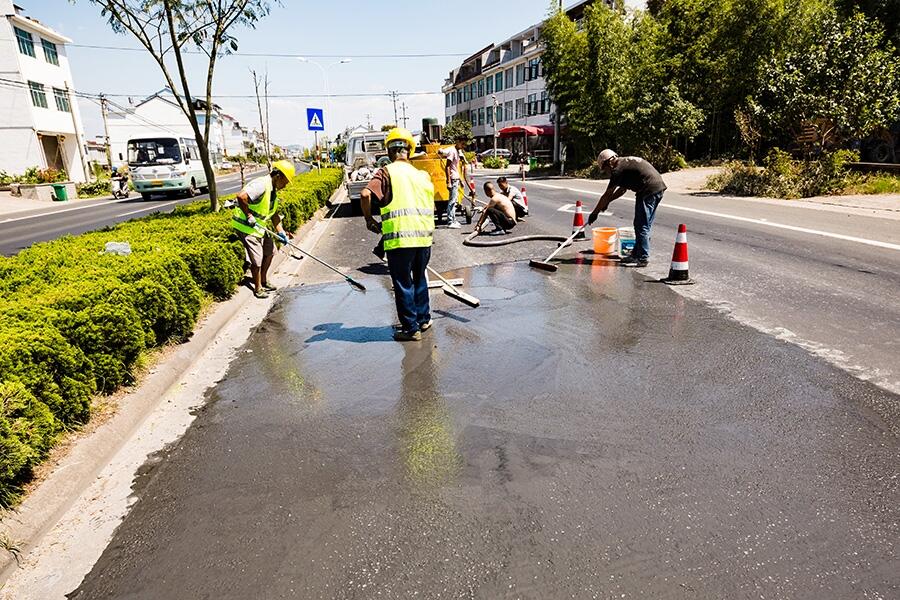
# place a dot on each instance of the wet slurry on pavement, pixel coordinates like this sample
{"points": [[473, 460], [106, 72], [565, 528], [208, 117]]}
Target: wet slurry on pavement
{"points": [[587, 434]]}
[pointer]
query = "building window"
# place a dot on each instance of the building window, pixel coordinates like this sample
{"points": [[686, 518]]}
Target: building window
{"points": [[507, 110], [62, 100], [50, 52], [520, 74], [534, 68], [499, 113], [509, 78], [498, 81], [465, 93], [480, 88], [473, 91], [545, 103], [38, 97], [490, 115], [473, 118], [26, 44], [520, 108], [489, 85], [481, 116], [532, 105], [447, 101]]}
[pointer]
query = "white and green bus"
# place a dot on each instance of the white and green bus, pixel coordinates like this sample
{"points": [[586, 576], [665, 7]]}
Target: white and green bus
{"points": [[166, 165]]}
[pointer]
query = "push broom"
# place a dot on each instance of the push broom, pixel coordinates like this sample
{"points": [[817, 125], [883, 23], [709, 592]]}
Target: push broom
{"points": [[346, 277], [546, 264], [454, 293]]}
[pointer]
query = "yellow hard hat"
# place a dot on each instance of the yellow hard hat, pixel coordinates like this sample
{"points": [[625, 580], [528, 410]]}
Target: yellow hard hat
{"points": [[400, 134], [286, 168]]}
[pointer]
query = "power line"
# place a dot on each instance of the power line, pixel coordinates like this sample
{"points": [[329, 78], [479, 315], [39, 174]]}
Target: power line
{"points": [[282, 55]]}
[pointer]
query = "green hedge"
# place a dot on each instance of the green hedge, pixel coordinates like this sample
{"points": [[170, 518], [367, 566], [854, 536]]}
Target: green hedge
{"points": [[74, 321]]}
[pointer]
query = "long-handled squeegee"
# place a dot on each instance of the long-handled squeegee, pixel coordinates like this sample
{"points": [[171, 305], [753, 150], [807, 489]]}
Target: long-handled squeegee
{"points": [[454, 293], [349, 279], [546, 264]]}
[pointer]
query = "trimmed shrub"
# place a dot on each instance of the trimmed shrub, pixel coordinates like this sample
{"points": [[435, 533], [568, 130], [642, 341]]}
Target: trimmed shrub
{"points": [[495, 162], [74, 320]]}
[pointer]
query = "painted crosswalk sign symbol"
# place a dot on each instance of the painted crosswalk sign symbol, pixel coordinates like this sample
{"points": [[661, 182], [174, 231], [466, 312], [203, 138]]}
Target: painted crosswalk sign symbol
{"points": [[315, 120]]}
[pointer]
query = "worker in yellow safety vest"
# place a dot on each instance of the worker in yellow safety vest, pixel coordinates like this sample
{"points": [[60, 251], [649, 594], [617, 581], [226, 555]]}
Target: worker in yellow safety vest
{"points": [[256, 211], [405, 197]]}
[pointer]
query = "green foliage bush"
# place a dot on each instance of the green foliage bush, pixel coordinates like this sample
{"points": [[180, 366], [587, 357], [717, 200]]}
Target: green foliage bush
{"points": [[74, 320], [34, 175], [783, 177], [495, 162], [91, 189]]}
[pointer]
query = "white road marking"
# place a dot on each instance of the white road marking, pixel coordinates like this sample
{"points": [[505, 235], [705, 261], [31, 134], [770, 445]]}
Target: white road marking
{"points": [[668, 205], [146, 208]]}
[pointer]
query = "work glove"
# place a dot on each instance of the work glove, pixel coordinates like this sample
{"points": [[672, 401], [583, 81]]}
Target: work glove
{"points": [[282, 237], [373, 226], [251, 220], [592, 217]]}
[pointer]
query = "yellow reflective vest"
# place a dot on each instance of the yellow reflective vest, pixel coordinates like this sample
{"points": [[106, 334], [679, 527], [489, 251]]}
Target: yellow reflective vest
{"points": [[262, 210], [408, 221]]}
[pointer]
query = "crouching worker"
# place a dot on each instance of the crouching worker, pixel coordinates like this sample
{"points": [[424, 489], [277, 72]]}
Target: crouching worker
{"points": [[256, 211], [405, 197], [499, 210], [515, 195]]}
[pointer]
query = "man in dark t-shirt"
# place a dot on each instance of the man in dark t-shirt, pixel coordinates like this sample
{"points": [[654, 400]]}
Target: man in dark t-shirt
{"points": [[639, 176]]}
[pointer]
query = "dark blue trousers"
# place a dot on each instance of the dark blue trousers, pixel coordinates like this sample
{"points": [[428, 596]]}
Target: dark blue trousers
{"points": [[407, 267], [644, 211]]}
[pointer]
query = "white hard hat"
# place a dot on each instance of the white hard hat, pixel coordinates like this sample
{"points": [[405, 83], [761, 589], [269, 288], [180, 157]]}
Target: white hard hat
{"points": [[605, 155]]}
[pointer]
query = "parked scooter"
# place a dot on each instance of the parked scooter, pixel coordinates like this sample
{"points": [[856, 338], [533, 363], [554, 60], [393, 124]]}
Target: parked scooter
{"points": [[119, 185]]}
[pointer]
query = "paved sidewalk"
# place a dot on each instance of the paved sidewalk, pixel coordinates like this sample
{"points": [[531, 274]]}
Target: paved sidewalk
{"points": [[10, 204], [693, 182]]}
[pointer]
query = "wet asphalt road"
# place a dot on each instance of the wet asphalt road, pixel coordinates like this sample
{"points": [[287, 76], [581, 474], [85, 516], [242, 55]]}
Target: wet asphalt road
{"points": [[588, 434]]}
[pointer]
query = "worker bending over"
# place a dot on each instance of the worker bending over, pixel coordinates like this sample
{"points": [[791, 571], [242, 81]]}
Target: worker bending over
{"points": [[499, 210], [405, 197], [515, 196], [639, 176], [256, 210]]}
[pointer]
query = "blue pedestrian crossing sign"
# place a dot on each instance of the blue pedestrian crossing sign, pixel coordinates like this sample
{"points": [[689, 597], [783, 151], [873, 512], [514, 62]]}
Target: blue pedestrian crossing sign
{"points": [[315, 119]]}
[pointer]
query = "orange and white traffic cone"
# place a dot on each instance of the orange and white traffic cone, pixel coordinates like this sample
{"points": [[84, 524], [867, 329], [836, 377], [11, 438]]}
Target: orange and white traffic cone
{"points": [[678, 272], [578, 221], [525, 197]]}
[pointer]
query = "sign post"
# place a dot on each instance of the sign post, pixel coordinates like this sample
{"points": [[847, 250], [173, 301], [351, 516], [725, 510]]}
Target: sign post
{"points": [[315, 122]]}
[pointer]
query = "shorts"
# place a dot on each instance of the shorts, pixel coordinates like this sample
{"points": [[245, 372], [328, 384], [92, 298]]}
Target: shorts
{"points": [[256, 248], [500, 219]]}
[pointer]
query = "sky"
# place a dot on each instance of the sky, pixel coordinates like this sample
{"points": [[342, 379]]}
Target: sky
{"points": [[323, 32]]}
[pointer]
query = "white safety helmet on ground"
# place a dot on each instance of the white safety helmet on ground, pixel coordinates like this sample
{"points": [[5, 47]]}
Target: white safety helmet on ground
{"points": [[604, 156]]}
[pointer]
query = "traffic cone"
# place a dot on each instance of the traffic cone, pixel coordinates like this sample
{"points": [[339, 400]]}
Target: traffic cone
{"points": [[525, 197], [578, 222], [678, 272]]}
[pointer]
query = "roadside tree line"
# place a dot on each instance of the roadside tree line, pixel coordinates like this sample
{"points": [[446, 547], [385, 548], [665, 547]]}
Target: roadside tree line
{"points": [[707, 79]]}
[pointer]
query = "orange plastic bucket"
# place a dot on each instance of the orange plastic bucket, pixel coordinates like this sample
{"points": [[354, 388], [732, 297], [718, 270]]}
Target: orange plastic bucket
{"points": [[605, 240]]}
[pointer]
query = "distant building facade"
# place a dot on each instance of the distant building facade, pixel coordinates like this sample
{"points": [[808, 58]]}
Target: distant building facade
{"points": [[39, 115]]}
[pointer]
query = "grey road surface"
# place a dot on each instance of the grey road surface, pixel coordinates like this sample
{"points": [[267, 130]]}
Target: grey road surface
{"points": [[586, 434]]}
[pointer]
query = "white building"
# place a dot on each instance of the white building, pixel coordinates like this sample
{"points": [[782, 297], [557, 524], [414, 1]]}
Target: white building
{"points": [[38, 113], [502, 87], [159, 115], [233, 136]]}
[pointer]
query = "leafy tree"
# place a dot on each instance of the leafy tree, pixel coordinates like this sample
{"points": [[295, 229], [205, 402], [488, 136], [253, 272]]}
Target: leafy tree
{"points": [[885, 11], [387, 127], [166, 28], [457, 127], [845, 83]]}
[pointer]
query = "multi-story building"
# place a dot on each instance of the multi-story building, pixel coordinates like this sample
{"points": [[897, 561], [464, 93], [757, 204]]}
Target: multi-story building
{"points": [[501, 90], [38, 113]]}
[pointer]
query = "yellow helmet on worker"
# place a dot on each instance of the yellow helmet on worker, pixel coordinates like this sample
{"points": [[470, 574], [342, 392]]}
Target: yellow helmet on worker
{"points": [[400, 134], [286, 168]]}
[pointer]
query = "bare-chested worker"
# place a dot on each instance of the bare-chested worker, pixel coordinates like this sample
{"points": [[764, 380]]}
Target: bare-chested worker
{"points": [[499, 210]]}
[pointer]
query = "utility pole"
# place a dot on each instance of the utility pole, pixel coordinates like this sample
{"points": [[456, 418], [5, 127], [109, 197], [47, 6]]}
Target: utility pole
{"points": [[394, 98], [494, 97], [403, 107], [106, 132], [369, 121], [84, 166]]}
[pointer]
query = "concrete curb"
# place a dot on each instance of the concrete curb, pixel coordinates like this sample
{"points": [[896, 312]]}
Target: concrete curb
{"points": [[43, 508]]}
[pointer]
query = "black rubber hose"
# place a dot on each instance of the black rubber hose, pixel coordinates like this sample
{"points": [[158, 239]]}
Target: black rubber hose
{"points": [[470, 240]]}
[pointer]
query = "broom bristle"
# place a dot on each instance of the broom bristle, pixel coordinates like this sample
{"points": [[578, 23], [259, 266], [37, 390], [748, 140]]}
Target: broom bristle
{"points": [[539, 264]]}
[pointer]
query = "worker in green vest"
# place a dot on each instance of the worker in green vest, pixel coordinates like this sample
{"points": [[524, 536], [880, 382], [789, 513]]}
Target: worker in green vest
{"points": [[405, 196], [256, 211]]}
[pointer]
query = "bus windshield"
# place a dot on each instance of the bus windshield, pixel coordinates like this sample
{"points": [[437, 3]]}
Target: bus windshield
{"points": [[157, 151]]}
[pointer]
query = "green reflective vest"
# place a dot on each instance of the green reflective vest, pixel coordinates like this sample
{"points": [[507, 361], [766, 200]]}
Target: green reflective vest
{"points": [[262, 210], [408, 221]]}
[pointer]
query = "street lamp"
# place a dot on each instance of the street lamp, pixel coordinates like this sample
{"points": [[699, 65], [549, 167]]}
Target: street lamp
{"points": [[343, 61]]}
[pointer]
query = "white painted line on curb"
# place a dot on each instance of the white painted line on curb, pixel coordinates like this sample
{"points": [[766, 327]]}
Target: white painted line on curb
{"points": [[837, 236]]}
